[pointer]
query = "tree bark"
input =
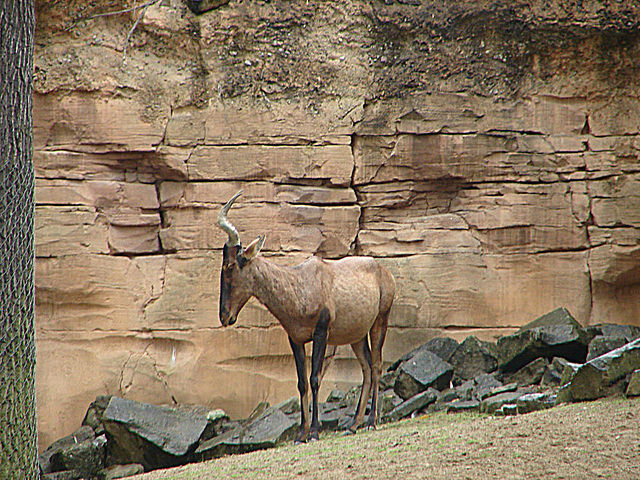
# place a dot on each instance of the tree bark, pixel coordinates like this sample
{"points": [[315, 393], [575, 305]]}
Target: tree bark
{"points": [[18, 430]]}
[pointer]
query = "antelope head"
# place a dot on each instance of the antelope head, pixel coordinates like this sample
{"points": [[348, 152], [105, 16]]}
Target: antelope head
{"points": [[235, 286]]}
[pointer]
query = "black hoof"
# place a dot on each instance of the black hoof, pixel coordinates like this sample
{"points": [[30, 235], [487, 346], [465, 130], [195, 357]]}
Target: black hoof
{"points": [[352, 427]]}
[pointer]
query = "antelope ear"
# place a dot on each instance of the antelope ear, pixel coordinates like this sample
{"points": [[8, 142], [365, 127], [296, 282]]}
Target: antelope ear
{"points": [[254, 248]]}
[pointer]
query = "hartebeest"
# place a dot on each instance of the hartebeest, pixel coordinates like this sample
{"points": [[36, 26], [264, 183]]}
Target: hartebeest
{"points": [[337, 302]]}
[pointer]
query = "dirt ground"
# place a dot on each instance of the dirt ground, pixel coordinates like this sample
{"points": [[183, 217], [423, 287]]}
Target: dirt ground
{"points": [[579, 441]]}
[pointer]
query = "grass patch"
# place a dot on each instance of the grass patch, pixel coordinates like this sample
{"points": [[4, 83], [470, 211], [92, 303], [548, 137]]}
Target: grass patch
{"points": [[464, 445]]}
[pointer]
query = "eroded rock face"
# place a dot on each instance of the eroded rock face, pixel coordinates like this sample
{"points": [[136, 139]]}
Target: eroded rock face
{"points": [[495, 174]]}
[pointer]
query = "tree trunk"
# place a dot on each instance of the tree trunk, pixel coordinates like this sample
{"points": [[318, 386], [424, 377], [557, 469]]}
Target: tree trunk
{"points": [[18, 432]]}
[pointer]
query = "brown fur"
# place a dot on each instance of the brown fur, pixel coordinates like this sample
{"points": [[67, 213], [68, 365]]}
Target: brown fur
{"points": [[355, 290], [334, 302]]}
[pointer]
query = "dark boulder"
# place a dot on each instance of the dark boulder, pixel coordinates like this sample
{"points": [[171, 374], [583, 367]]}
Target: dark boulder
{"points": [[266, 430], [603, 375], [556, 334], [334, 396], [473, 357], [85, 457], [441, 346], [218, 422], [568, 372], [420, 372], [413, 404], [633, 389], [530, 374], [507, 410], [388, 379], [83, 434], [388, 400], [601, 345], [448, 395], [121, 471], [333, 415], [444, 398], [64, 475], [457, 406], [608, 336], [352, 397], [292, 405], [466, 390], [156, 437], [532, 402], [93, 417], [508, 388], [257, 412], [553, 375], [628, 332], [485, 383], [495, 402]]}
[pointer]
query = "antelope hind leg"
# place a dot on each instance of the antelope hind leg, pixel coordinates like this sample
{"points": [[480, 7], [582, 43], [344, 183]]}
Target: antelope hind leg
{"points": [[317, 359], [363, 354], [377, 334]]}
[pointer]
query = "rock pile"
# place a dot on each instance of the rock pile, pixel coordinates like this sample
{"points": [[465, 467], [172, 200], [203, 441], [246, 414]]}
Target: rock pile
{"points": [[549, 361]]}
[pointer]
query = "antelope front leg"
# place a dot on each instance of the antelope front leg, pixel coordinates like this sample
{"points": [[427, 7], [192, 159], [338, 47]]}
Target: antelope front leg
{"points": [[317, 358], [303, 388]]}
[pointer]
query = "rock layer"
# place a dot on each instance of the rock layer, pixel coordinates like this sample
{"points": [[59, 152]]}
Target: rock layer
{"points": [[488, 156]]}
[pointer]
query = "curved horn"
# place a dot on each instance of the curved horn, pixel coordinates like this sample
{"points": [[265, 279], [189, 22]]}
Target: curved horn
{"points": [[224, 224]]}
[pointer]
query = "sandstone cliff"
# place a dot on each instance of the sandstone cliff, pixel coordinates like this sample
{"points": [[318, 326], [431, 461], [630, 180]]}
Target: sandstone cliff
{"points": [[486, 152]]}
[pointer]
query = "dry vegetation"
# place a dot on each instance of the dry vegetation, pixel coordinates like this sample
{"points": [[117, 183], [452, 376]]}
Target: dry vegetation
{"points": [[579, 441]]}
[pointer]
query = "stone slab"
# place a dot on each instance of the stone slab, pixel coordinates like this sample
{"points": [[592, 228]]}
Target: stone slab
{"points": [[595, 378], [169, 430], [420, 372]]}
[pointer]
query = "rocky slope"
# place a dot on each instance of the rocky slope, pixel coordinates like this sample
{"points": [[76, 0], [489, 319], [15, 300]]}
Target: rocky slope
{"points": [[487, 153]]}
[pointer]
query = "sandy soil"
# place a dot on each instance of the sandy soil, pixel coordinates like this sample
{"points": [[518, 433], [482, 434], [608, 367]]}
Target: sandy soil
{"points": [[579, 441]]}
